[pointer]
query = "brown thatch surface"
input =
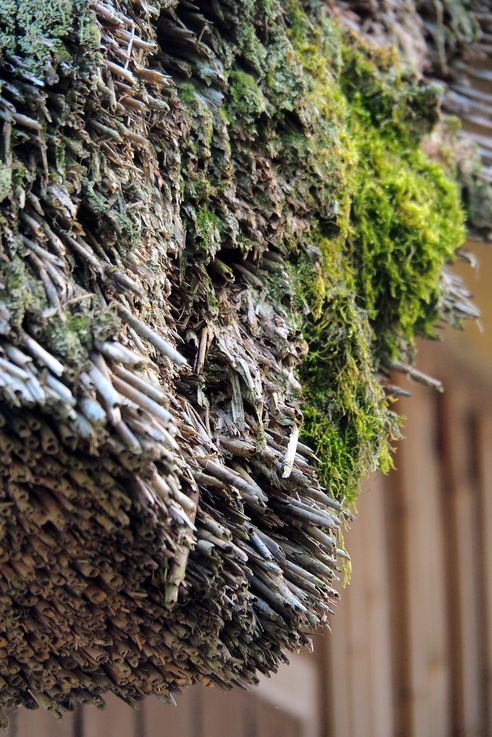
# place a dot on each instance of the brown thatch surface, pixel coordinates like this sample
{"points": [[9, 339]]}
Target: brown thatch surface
{"points": [[161, 521]]}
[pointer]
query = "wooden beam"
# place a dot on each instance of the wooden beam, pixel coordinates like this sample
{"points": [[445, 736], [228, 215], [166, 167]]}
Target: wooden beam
{"points": [[39, 723], [117, 718], [425, 676], [460, 499], [164, 720], [484, 449]]}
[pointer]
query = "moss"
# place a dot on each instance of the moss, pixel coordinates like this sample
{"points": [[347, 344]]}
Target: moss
{"points": [[271, 8], [285, 79], [406, 222], [188, 94], [104, 325], [347, 419], [208, 229], [89, 33], [70, 336], [198, 190], [363, 219], [246, 100], [66, 339], [5, 182], [41, 32], [252, 50], [245, 244], [460, 159], [455, 26], [20, 291]]}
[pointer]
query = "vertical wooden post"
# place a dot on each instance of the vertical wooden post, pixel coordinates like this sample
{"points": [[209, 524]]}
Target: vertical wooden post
{"points": [[358, 664], [339, 717], [461, 498], [117, 718], [165, 720], [360, 683], [378, 609], [425, 569], [484, 450], [399, 609]]}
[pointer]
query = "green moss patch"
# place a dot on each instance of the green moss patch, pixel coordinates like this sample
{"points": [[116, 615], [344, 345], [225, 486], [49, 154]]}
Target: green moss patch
{"points": [[42, 32], [323, 146]]}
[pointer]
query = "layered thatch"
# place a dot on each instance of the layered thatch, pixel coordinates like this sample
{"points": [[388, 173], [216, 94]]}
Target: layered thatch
{"points": [[219, 233]]}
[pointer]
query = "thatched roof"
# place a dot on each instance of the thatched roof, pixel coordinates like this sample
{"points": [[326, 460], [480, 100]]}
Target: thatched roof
{"points": [[219, 236], [449, 42]]}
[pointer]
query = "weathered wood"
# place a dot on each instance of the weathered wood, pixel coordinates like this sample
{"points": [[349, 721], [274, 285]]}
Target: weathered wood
{"points": [[226, 713], [461, 494], [272, 722], [376, 554], [115, 720], [39, 723], [361, 694], [165, 720], [359, 645], [423, 538], [484, 439], [396, 511], [340, 671]]}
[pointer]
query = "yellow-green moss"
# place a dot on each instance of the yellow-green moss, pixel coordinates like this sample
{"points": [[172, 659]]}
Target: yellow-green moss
{"points": [[246, 98], [363, 220]]}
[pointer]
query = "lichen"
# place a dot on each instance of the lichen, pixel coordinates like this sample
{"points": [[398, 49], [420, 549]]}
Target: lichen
{"points": [[246, 98], [39, 31], [69, 338], [208, 230], [20, 291], [5, 181]]}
